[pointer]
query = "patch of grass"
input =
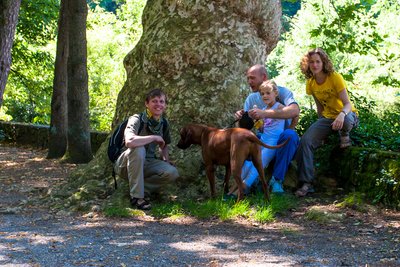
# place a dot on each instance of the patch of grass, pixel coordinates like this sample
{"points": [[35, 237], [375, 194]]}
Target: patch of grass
{"points": [[317, 216], [321, 216], [355, 201], [122, 212], [168, 210], [279, 204], [264, 215], [351, 200], [254, 208]]}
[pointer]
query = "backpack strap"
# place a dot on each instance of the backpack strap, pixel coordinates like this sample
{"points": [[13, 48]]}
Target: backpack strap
{"points": [[165, 124], [140, 123], [115, 179]]}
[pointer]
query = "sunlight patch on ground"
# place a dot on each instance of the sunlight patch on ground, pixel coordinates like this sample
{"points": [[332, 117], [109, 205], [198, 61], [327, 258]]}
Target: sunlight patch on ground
{"points": [[37, 159], [204, 245], [34, 238], [9, 164], [139, 242]]}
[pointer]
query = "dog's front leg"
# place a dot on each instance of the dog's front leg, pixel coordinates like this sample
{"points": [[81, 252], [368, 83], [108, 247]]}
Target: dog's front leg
{"points": [[211, 178]]}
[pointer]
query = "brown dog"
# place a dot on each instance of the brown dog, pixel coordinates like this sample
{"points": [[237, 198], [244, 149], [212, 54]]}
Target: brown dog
{"points": [[228, 147]]}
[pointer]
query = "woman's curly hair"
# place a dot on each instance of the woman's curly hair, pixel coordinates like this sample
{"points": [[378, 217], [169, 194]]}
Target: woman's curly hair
{"points": [[327, 66]]}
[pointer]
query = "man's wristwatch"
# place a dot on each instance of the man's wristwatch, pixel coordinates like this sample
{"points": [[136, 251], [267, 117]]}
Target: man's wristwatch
{"points": [[344, 112]]}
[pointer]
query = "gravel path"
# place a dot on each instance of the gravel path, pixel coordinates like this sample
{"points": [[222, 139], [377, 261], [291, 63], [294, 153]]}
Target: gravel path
{"points": [[31, 235]]}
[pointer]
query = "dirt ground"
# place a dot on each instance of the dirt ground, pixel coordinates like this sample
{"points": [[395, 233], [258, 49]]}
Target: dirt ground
{"points": [[32, 234]]}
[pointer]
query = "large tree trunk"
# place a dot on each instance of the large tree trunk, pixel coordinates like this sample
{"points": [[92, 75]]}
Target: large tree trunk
{"points": [[58, 123], [78, 149], [9, 10], [198, 52]]}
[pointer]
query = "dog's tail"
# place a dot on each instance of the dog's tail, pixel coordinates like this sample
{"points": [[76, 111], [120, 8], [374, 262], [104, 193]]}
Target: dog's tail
{"points": [[258, 141]]}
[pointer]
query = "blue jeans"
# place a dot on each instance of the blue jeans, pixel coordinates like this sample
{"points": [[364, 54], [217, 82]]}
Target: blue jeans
{"points": [[313, 138], [283, 156]]}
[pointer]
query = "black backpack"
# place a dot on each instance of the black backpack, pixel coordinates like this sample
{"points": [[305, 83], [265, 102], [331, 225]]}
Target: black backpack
{"points": [[117, 142]]}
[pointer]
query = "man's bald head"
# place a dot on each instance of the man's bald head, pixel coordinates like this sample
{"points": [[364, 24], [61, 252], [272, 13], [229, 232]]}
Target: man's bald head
{"points": [[256, 75]]}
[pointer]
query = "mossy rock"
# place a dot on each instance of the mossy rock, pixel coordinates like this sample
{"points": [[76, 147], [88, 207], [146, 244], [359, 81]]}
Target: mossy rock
{"points": [[373, 172]]}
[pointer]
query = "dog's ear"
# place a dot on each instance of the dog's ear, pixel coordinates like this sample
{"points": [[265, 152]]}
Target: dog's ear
{"points": [[188, 136], [185, 140], [246, 122]]}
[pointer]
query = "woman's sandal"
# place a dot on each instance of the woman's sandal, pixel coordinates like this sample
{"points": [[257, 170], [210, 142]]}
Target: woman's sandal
{"points": [[345, 141], [304, 190], [140, 203]]}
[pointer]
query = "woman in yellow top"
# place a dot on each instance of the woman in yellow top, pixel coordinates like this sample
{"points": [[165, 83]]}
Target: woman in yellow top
{"points": [[335, 113]]}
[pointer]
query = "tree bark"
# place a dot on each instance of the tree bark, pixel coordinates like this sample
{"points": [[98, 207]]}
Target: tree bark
{"points": [[58, 122], [78, 148], [9, 10]]}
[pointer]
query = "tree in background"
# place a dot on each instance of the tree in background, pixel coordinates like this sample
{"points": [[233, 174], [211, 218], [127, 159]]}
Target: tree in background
{"points": [[28, 90], [59, 122], [110, 36], [79, 146], [8, 22]]}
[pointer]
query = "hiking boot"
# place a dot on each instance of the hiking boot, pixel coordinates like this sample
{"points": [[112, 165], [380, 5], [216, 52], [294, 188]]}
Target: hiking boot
{"points": [[276, 186]]}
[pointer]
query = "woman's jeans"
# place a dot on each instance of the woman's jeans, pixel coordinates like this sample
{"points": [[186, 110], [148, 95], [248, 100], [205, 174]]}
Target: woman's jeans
{"points": [[313, 138]]}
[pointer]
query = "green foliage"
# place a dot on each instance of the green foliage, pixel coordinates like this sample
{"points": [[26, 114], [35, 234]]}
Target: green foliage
{"points": [[354, 200], [37, 23], [387, 187], [110, 37], [28, 92], [308, 116], [377, 129], [290, 7], [108, 5]]}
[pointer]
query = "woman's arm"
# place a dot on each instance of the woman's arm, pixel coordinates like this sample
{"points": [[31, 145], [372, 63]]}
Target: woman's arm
{"points": [[338, 122]]}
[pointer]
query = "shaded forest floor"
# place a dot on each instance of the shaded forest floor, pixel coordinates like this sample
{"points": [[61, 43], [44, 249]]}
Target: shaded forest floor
{"points": [[32, 234]]}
